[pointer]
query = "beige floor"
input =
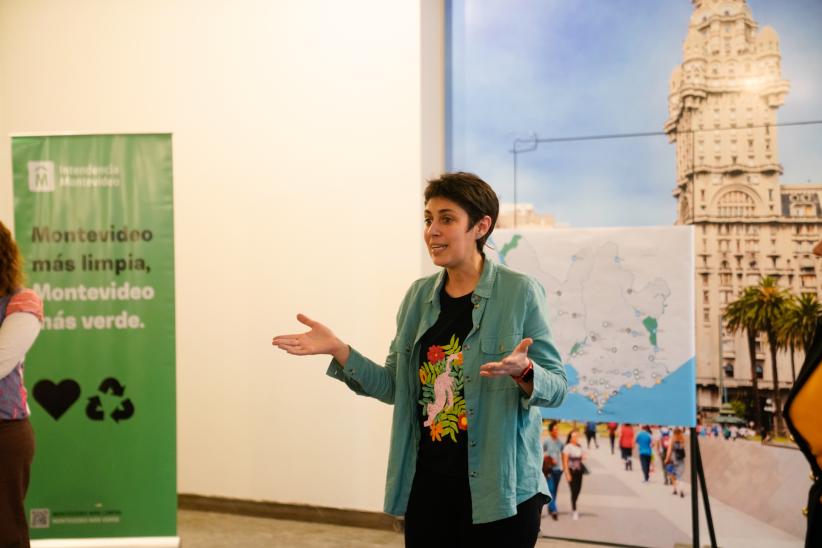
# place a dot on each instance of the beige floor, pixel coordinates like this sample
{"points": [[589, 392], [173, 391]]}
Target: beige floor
{"points": [[211, 530]]}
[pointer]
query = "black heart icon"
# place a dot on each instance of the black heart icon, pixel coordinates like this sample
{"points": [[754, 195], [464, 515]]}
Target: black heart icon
{"points": [[56, 398]]}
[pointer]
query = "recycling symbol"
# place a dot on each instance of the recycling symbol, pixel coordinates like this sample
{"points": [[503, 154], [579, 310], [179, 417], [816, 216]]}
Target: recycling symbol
{"points": [[124, 411]]}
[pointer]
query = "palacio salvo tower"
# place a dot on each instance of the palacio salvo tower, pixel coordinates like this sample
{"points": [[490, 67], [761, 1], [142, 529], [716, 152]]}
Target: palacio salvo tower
{"points": [[723, 104]]}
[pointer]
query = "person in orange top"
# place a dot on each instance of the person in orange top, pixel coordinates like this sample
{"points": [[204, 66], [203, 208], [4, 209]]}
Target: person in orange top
{"points": [[21, 314], [626, 444], [805, 423]]}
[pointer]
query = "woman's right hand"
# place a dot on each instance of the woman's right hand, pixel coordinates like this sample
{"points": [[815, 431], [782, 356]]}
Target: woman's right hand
{"points": [[319, 340], [568, 476]]}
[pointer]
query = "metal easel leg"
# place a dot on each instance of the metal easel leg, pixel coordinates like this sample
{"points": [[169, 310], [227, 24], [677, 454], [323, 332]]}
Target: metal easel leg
{"points": [[704, 488], [694, 492]]}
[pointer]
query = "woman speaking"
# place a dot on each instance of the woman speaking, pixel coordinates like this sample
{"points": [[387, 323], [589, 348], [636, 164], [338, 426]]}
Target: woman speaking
{"points": [[470, 363]]}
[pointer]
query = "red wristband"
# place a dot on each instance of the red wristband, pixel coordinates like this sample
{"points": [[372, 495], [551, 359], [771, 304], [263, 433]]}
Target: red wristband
{"points": [[527, 373]]}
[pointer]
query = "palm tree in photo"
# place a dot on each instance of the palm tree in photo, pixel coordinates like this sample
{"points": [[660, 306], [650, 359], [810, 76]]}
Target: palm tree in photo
{"points": [[738, 318], [788, 339], [768, 304], [796, 329]]}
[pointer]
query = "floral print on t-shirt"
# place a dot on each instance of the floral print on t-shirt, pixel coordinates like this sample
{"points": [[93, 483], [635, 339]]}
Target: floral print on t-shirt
{"points": [[443, 404]]}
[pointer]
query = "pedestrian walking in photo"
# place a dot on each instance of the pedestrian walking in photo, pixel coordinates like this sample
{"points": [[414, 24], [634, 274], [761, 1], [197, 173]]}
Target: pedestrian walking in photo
{"points": [[552, 465], [572, 461], [626, 445], [591, 434], [675, 460], [662, 451], [643, 443], [612, 429]]}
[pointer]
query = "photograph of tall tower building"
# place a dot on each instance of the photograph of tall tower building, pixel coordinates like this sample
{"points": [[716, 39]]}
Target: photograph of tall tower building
{"points": [[723, 105], [572, 114]]}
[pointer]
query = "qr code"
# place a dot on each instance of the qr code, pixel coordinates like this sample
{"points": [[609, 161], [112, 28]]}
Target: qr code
{"points": [[40, 518]]}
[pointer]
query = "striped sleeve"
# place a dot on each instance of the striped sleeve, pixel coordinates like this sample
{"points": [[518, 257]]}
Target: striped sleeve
{"points": [[26, 301]]}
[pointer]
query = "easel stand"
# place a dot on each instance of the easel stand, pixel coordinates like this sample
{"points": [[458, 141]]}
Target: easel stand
{"points": [[698, 471]]}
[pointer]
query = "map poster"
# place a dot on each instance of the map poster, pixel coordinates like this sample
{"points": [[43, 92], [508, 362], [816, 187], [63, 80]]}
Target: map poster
{"points": [[621, 305], [94, 221]]}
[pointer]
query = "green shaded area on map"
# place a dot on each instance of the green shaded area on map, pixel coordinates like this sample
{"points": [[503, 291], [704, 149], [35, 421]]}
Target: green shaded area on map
{"points": [[509, 246], [650, 325]]}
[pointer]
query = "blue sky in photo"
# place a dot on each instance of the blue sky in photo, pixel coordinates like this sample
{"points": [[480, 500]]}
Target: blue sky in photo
{"points": [[565, 68]]}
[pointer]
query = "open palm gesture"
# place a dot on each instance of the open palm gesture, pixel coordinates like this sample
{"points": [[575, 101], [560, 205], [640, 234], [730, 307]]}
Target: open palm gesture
{"points": [[319, 340], [512, 364]]}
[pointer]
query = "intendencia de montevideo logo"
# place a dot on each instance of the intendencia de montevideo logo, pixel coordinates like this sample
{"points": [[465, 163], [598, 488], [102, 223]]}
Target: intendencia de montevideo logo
{"points": [[41, 176], [44, 177]]}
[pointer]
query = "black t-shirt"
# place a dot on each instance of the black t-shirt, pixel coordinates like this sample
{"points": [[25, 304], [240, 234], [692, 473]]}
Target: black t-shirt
{"points": [[443, 420]]}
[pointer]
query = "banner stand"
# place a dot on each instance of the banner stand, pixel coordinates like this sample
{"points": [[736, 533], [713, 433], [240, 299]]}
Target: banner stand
{"points": [[94, 221]]}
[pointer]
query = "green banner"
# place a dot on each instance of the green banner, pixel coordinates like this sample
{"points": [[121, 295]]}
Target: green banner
{"points": [[94, 222]]}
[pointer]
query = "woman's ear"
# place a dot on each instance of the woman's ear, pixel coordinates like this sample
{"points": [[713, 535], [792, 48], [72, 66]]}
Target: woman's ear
{"points": [[482, 226]]}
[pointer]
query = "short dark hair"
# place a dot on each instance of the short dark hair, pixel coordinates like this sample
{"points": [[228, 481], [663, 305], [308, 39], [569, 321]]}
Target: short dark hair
{"points": [[551, 425], [471, 193]]}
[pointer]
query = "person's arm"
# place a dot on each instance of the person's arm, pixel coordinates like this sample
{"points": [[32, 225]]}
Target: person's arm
{"points": [[565, 464], [362, 375], [17, 333]]}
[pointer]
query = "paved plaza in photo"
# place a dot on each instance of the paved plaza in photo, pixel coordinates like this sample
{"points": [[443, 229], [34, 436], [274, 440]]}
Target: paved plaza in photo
{"points": [[616, 507]]}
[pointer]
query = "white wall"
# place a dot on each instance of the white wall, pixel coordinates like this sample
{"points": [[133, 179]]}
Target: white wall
{"points": [[302, 133]]}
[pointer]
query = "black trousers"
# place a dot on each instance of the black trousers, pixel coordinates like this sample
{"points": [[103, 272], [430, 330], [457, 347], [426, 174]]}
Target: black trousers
{"points": [[591, 436], [576, 487], [645, 461], [439, 514], [16, 454]]}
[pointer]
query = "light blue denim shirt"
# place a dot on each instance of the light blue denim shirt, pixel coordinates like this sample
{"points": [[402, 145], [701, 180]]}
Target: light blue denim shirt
{"points": [[504, 425]]}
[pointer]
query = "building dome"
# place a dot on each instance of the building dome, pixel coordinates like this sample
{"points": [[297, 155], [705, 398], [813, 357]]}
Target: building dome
{"points": [[705, 10], [768, 39]]}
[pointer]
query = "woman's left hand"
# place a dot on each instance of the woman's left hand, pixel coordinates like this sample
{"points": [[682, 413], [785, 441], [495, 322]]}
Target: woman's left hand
{"points": [[513, 364]]}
